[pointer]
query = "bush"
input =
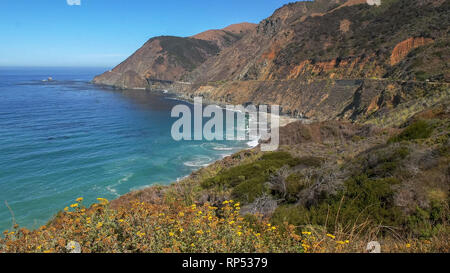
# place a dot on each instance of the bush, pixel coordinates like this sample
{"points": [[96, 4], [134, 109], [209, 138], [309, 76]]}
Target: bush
{"points": [[295, 183], [384, 162], [362, 200], [424, 223], [248, 181], [417, 130]]}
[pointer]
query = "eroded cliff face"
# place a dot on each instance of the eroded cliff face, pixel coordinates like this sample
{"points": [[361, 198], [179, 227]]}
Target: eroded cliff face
{"points": [[402, 49], [323, 59], [374, 101]]}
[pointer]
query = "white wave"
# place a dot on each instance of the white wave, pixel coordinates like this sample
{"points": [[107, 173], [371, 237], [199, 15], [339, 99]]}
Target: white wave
{"points": [[254, 143], [181, 178], [198, 161], [225, 155], [216, 147], [113, 190], [125, 179], [223, 148], [141, 187]]}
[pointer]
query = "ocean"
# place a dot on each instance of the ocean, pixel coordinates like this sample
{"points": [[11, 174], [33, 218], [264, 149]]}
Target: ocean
{"points": [[67, 138]]}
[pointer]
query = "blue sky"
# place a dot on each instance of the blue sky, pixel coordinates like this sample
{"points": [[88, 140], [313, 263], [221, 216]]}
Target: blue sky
{"points": [[102, 33]]}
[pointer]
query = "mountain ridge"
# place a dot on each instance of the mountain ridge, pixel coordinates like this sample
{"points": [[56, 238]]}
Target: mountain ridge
{"points": [[305, 52], [166, 58]]}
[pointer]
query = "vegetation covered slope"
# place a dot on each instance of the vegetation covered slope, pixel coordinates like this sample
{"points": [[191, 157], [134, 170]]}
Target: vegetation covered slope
{"points": [[339, 40], [167, 58], [331, 187], [374, 165], [336, 60]]}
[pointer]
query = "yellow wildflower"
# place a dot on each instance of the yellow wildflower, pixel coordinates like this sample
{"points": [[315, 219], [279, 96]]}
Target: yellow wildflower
{"points": [[199, 231], [408, 245], [66, 209], [306, 233], [99, 224], [181, 214], [74, 205], [103, 201], [80, 199], [181, 230], [231, 222], [331, 236], [171, 234]]}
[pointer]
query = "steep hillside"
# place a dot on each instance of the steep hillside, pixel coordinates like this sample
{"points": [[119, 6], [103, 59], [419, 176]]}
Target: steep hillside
{"points": [[340, 59], [331, 187], [336, 39], [161, 58], [167, 58], [337, 60], [226, 37]]}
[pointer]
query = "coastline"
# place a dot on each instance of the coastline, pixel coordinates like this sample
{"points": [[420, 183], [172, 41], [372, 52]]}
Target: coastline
{"points": [[283, 121]]}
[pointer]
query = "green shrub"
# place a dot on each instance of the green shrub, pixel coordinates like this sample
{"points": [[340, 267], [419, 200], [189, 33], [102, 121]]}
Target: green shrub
{"points": [[363, 199], [309, 161], [417, 130], [289, 214], [295, 183], [424, 223], [384, 162], [247, 181]]}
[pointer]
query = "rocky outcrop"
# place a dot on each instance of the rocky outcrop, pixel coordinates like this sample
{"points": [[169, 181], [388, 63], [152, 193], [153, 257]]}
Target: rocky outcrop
{"points": [[402, 49], [324, 59]]}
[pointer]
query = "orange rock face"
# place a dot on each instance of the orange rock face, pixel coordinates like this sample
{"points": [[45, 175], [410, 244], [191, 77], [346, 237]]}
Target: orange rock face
{"points": [[345, 25], [402, 49]]}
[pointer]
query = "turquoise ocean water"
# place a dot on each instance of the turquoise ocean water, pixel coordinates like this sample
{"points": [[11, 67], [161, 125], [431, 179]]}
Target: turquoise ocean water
{"points": [[67, 138]]}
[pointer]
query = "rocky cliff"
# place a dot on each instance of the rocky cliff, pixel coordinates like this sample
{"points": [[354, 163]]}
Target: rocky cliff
{"points": [[341, 59], [167, 58]]}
